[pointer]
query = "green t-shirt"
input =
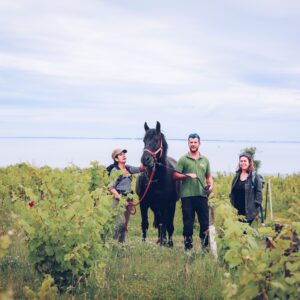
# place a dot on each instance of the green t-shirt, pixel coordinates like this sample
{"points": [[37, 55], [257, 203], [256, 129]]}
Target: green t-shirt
{"points": [[192, 187]]}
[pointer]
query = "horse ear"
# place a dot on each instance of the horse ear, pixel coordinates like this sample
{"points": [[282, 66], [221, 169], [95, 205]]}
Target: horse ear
{"points": [[146, 126], [157, 126]]}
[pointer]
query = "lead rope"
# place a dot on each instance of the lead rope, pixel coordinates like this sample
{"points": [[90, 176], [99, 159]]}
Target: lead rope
{"points": [[131, 206]]}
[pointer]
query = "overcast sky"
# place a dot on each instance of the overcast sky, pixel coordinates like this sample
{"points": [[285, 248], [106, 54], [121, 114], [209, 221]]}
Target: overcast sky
{"points": [[226, 69]]}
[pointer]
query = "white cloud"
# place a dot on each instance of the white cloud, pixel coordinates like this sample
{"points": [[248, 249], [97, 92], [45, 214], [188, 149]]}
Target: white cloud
{"points": [[81, 50], [270, 8], [123, 64]]}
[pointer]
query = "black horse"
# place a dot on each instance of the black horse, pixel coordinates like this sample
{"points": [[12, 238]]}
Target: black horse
{"points": [[162, 194]]}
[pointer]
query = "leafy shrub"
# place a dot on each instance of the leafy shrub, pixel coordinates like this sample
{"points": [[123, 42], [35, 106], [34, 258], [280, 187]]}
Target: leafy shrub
{"points": [[65, 224], [254, 271]]}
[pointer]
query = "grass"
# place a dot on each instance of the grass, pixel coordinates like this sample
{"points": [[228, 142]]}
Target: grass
{"points": [[141, 270], [135, 270], [16, 271]]}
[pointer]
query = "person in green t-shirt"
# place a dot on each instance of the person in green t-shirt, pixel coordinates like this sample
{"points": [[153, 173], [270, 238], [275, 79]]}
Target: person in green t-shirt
{"points": [[197, 182]]}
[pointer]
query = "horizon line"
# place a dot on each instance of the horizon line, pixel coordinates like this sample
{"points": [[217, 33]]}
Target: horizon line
{"points": [[139, 138]]}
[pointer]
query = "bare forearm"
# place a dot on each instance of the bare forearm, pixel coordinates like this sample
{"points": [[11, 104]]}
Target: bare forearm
{"points": [[209, 180], [115, 193], [180, 176]]}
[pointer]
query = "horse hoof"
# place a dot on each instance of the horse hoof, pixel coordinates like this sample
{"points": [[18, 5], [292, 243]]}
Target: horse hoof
{"points": [[164, 243], [170, 244]]}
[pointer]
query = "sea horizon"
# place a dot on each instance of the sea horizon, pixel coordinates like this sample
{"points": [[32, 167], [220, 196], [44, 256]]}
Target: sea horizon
{"points": [[277, 157], [141, 138]]}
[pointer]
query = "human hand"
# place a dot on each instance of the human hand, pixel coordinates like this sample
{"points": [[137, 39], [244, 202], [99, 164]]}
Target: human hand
{"points": [[257, 204], [208, 189]]}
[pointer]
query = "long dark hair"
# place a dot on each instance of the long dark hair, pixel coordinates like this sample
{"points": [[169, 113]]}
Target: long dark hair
{"points": [[250, 160]]}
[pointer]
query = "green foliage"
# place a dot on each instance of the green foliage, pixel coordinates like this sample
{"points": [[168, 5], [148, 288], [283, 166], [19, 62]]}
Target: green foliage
{"points": [[4, 244], [99, 177], [47, 291], [65, 224], [65, 221], [254, 271], [285, 196]]}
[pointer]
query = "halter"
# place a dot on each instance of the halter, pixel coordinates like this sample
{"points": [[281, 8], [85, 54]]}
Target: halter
{"points": [[154, 153]]}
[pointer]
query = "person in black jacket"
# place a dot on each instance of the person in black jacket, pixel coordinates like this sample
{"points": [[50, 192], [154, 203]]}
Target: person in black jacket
{"points": [[246, 189]]}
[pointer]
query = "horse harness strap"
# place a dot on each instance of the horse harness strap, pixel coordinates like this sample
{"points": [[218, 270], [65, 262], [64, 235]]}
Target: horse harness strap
{"points": [[154, 153]]}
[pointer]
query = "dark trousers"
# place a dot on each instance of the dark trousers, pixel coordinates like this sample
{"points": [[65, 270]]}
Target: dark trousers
{"points": [[121, 223], [190, 206]]}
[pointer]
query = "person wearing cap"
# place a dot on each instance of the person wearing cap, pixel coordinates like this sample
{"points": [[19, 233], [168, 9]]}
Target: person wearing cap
{"points": [[197, 182], [245, 196], [121, 188]]}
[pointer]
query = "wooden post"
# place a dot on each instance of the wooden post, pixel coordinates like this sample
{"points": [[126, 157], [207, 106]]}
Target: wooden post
{"points": [[267, 190], [212, 233], [270, 195]]}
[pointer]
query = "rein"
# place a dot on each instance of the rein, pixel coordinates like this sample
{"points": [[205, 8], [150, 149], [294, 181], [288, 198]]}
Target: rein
{"points": [[131, 207]]}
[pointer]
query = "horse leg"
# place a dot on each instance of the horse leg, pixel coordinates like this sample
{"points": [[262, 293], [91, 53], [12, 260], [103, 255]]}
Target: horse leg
{"points": [[145, 223], [161, 237], [170, 222], [156, 221], [162, 231], [163, 234]]}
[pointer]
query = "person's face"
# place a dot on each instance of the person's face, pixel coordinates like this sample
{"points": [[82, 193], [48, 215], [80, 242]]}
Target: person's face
{"points": [[244, 163], [121, 158], [194, 144]]}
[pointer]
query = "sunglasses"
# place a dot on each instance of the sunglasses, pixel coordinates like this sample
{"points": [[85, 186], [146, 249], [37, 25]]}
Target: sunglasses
{"points": [[194, 135]]}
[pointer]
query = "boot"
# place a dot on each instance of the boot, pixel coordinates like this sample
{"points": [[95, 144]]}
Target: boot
{"points": [[204, 244], [188, 242], [170, 243]]}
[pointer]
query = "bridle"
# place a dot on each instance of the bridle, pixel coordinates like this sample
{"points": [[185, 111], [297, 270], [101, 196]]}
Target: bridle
{"points": [[154, 153]]}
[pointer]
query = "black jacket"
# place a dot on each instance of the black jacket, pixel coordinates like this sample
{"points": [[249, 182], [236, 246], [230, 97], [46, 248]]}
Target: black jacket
{"points": [[253, 195]]}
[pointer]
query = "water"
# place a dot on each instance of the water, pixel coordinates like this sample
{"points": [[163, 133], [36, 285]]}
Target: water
{"points": [[277, 158]]}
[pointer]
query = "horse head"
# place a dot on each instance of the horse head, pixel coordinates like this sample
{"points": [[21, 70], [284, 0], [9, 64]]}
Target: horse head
{"points": [[155, 146]]}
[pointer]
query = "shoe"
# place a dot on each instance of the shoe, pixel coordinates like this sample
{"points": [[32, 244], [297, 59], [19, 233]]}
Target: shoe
{"points": [[188, 243], [205, 245]]}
